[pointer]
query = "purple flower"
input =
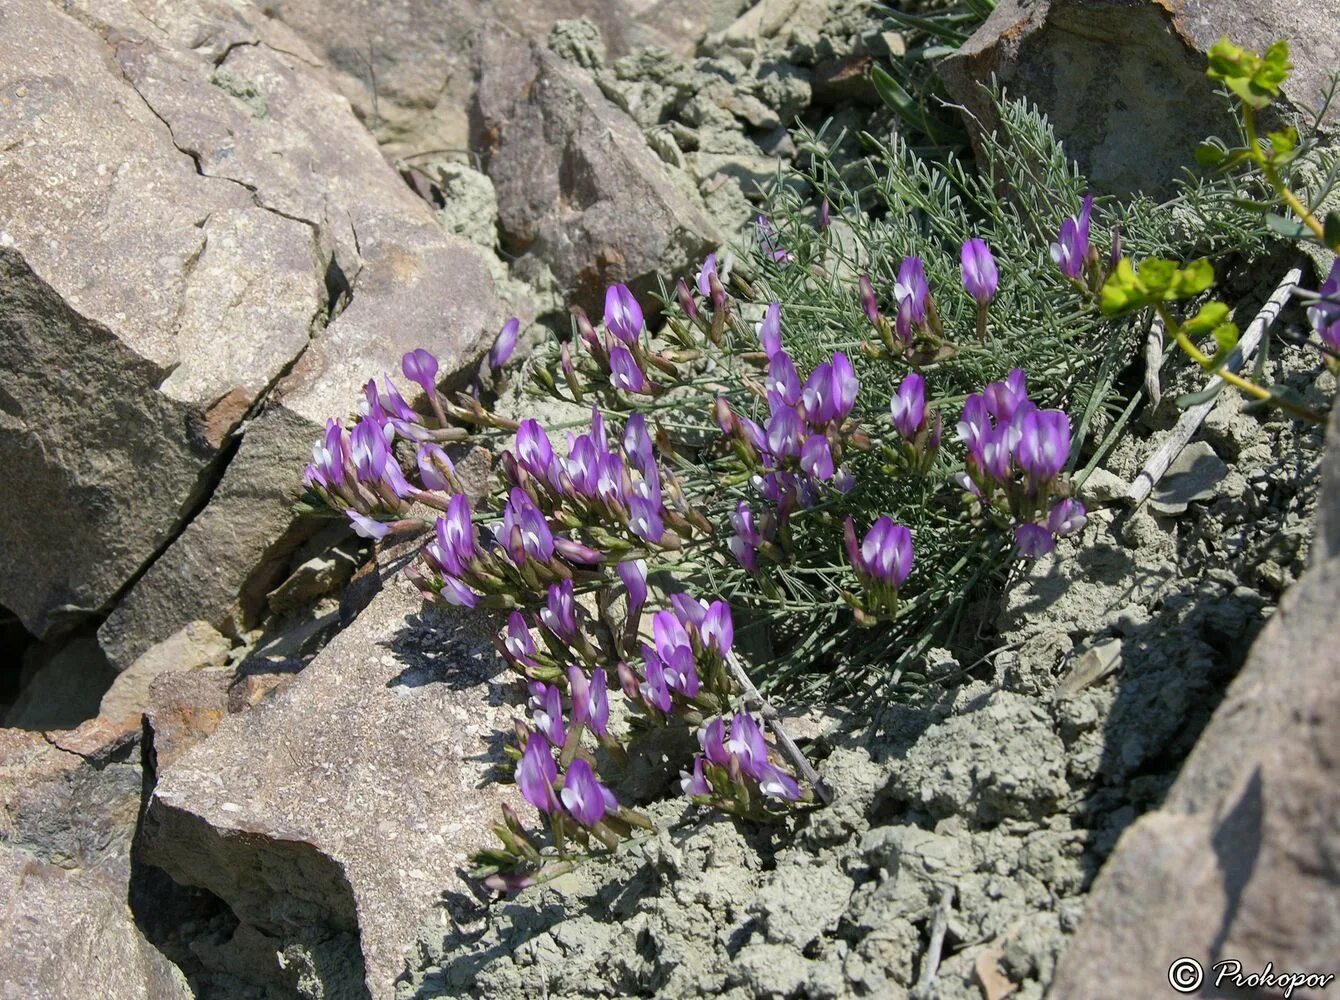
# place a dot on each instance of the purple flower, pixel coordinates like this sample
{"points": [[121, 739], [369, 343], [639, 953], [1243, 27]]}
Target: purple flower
{"points": [[633, 573], [767, 238], [456, 534], [1071, 250], [584, 797], [885, 555], [908, 406], [704, 280], [395, 403], [367, 527], [582, 466], [845, 386], [526, 533], [869, 304], [717, 629], [623, 316], [825, 215], [695, 784], [777, 784], [502, 349], [369, 450], [980, 275], [746, 745], [783, 379], [975, 426], [1044, 443], [533, 450], [712, 738], [432, 460], [784, 432], [743, 523], [517, 642], [690, 611], [770, 330], [1004, 399], [559, 614], [421, 367], [1325, 315], [330, 454], [455, 592], [624, 372], [637, 443], [818, 400], [547, 711], [1066, 518], [655, 690], [590, 700], [576, 552], [536, 773], [996, 455], [644, 519], [911, 289], [816, 458], [1033, 540], [675, 653], [686, 300], [844, 480]]}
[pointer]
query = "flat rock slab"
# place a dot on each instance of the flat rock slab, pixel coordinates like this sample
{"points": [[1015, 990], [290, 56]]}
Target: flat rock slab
{"points": [[333, 816], [71, 934]]}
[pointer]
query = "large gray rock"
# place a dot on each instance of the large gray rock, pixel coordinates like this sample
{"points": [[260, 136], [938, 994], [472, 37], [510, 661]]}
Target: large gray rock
{"points": [[71, 934], [242, 202], [580, 194], [332, 842], [1124, 83], [1240, 861], [407, 65]]}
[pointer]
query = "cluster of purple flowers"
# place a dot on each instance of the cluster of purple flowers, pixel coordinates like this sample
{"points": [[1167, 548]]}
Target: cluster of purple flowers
{"points": [[915, 315], [919, 429], [1075, 254], [1018, 451], [798, 451], [882, 561], [618, 349], [735, 767]]}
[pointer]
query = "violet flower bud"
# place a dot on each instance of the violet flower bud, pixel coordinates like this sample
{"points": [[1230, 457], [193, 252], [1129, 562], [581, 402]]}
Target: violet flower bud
{"points": [[503, 347], [1066, 518], [912, 288], [586, 799], [582, 466], [517, 642], [421, 367], [1044, 443], [980, 274], [577, 552], [623, 316], [784, 433], [818, 399], [590, 700], [1004, 399], [366, 527], [547, 712], [721, 413], [637, 443], [533, 450], [689, 610], [1071, 250], [655, 691], [1034, 540], [712, 738], [1324, 315], [816, 458], [456, 592], [745, 554], [869, 304], [783, 380], [704, 279], [536, 773], [695, 784], [645, 520], [559, 614], [717, 629], [886, 553], [432, 460], [908, 406], [746, 745], [330, 454], [825, 215], [975, 426], [633, 573], [777, 784], [743, 523], [526, 533], [368, 448], [624, 372], [456, 532], [686, 300], [770, 330], [844, 480], [845, 386]]}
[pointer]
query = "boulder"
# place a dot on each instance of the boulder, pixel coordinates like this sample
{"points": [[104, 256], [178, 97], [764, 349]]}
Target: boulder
{"points": [[60, 684], [193, 647], [580, 193], [1123, 83], [268, 262], [407, 65], [71, 934], [1239, 862], [333, 841]]}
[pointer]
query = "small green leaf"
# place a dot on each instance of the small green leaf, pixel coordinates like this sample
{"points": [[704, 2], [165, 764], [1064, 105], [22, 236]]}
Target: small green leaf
{"points": [[1254, 79], [1283, 142], [1288, 228], [1158, 280], [1204, 396], [1211, 315], [1331, 230], [1210, 155]]}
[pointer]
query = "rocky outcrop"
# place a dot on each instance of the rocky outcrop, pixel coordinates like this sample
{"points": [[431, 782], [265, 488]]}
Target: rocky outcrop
{"points": [[179, 231], [332, 842], [71, 934], [1123, 83], [1240, 861], [581, 197]]}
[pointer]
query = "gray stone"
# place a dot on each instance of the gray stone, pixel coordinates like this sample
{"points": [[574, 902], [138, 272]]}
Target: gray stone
{"points": [[579, 191], [335, 841], [1124, 84], [1195, 475], [71, 934], [196, 645], [61, 686], [1239, 862]]}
